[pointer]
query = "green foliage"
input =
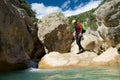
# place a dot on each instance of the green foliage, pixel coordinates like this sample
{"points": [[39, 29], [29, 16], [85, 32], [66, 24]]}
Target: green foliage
{"points": [[85, 17], [28, 9], [88, 17], [104, 1]]}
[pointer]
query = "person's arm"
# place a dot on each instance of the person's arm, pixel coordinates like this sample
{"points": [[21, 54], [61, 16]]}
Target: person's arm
{"points": [[74, 34]]}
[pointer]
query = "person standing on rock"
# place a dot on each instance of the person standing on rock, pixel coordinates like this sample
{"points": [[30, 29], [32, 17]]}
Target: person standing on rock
{"points": [[78, 35]]}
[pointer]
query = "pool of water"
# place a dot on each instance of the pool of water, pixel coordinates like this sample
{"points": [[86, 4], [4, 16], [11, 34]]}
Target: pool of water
{"points": [[102, 73]]}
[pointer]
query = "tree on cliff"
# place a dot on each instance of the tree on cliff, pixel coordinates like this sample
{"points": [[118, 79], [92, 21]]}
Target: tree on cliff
{"points": [[28, 9]]}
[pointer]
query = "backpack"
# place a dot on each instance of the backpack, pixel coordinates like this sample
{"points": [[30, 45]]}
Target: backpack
{"points": [[83, 28]]}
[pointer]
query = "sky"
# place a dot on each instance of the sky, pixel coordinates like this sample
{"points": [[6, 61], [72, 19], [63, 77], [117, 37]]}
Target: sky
{"points": [[67, 7]]}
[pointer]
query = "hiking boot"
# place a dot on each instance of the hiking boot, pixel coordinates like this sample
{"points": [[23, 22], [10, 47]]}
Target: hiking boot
{"points": [[81, 51]]}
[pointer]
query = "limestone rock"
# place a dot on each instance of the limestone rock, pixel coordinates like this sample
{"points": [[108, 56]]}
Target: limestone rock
{"points": [[94, 33], [38, 48], [58, 60], [74, 47], [106, 37], [109, 13], [85, 59], [54, 59], [108, 18], [91, 42], [108, 57], [17, 36], [54, 32]]}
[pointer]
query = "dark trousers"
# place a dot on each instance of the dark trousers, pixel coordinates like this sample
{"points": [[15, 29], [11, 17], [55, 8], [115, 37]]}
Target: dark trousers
{"points": [[78, 41]]}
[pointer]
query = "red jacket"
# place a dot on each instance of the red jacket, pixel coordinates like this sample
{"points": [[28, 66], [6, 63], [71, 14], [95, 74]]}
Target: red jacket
{"points": [[78, 28]]}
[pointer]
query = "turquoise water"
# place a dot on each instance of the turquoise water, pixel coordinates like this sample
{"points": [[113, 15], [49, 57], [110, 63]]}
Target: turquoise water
{"points": [[104, 73]]}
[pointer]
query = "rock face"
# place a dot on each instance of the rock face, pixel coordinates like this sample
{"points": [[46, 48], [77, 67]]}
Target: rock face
{"points": [[108, 17], [56, 33], [18, 37], [109, 57]]}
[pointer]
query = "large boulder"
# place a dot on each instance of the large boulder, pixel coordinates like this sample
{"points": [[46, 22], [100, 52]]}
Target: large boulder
{"points": [[18, 36], [56, 35], [74, 48], [86, 59], [109, 57], [58, 60], [108, 18], [91, 42]]}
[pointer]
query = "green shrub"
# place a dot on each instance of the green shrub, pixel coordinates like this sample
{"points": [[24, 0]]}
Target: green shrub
{"points": [[85, 17], [28, 9]]}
